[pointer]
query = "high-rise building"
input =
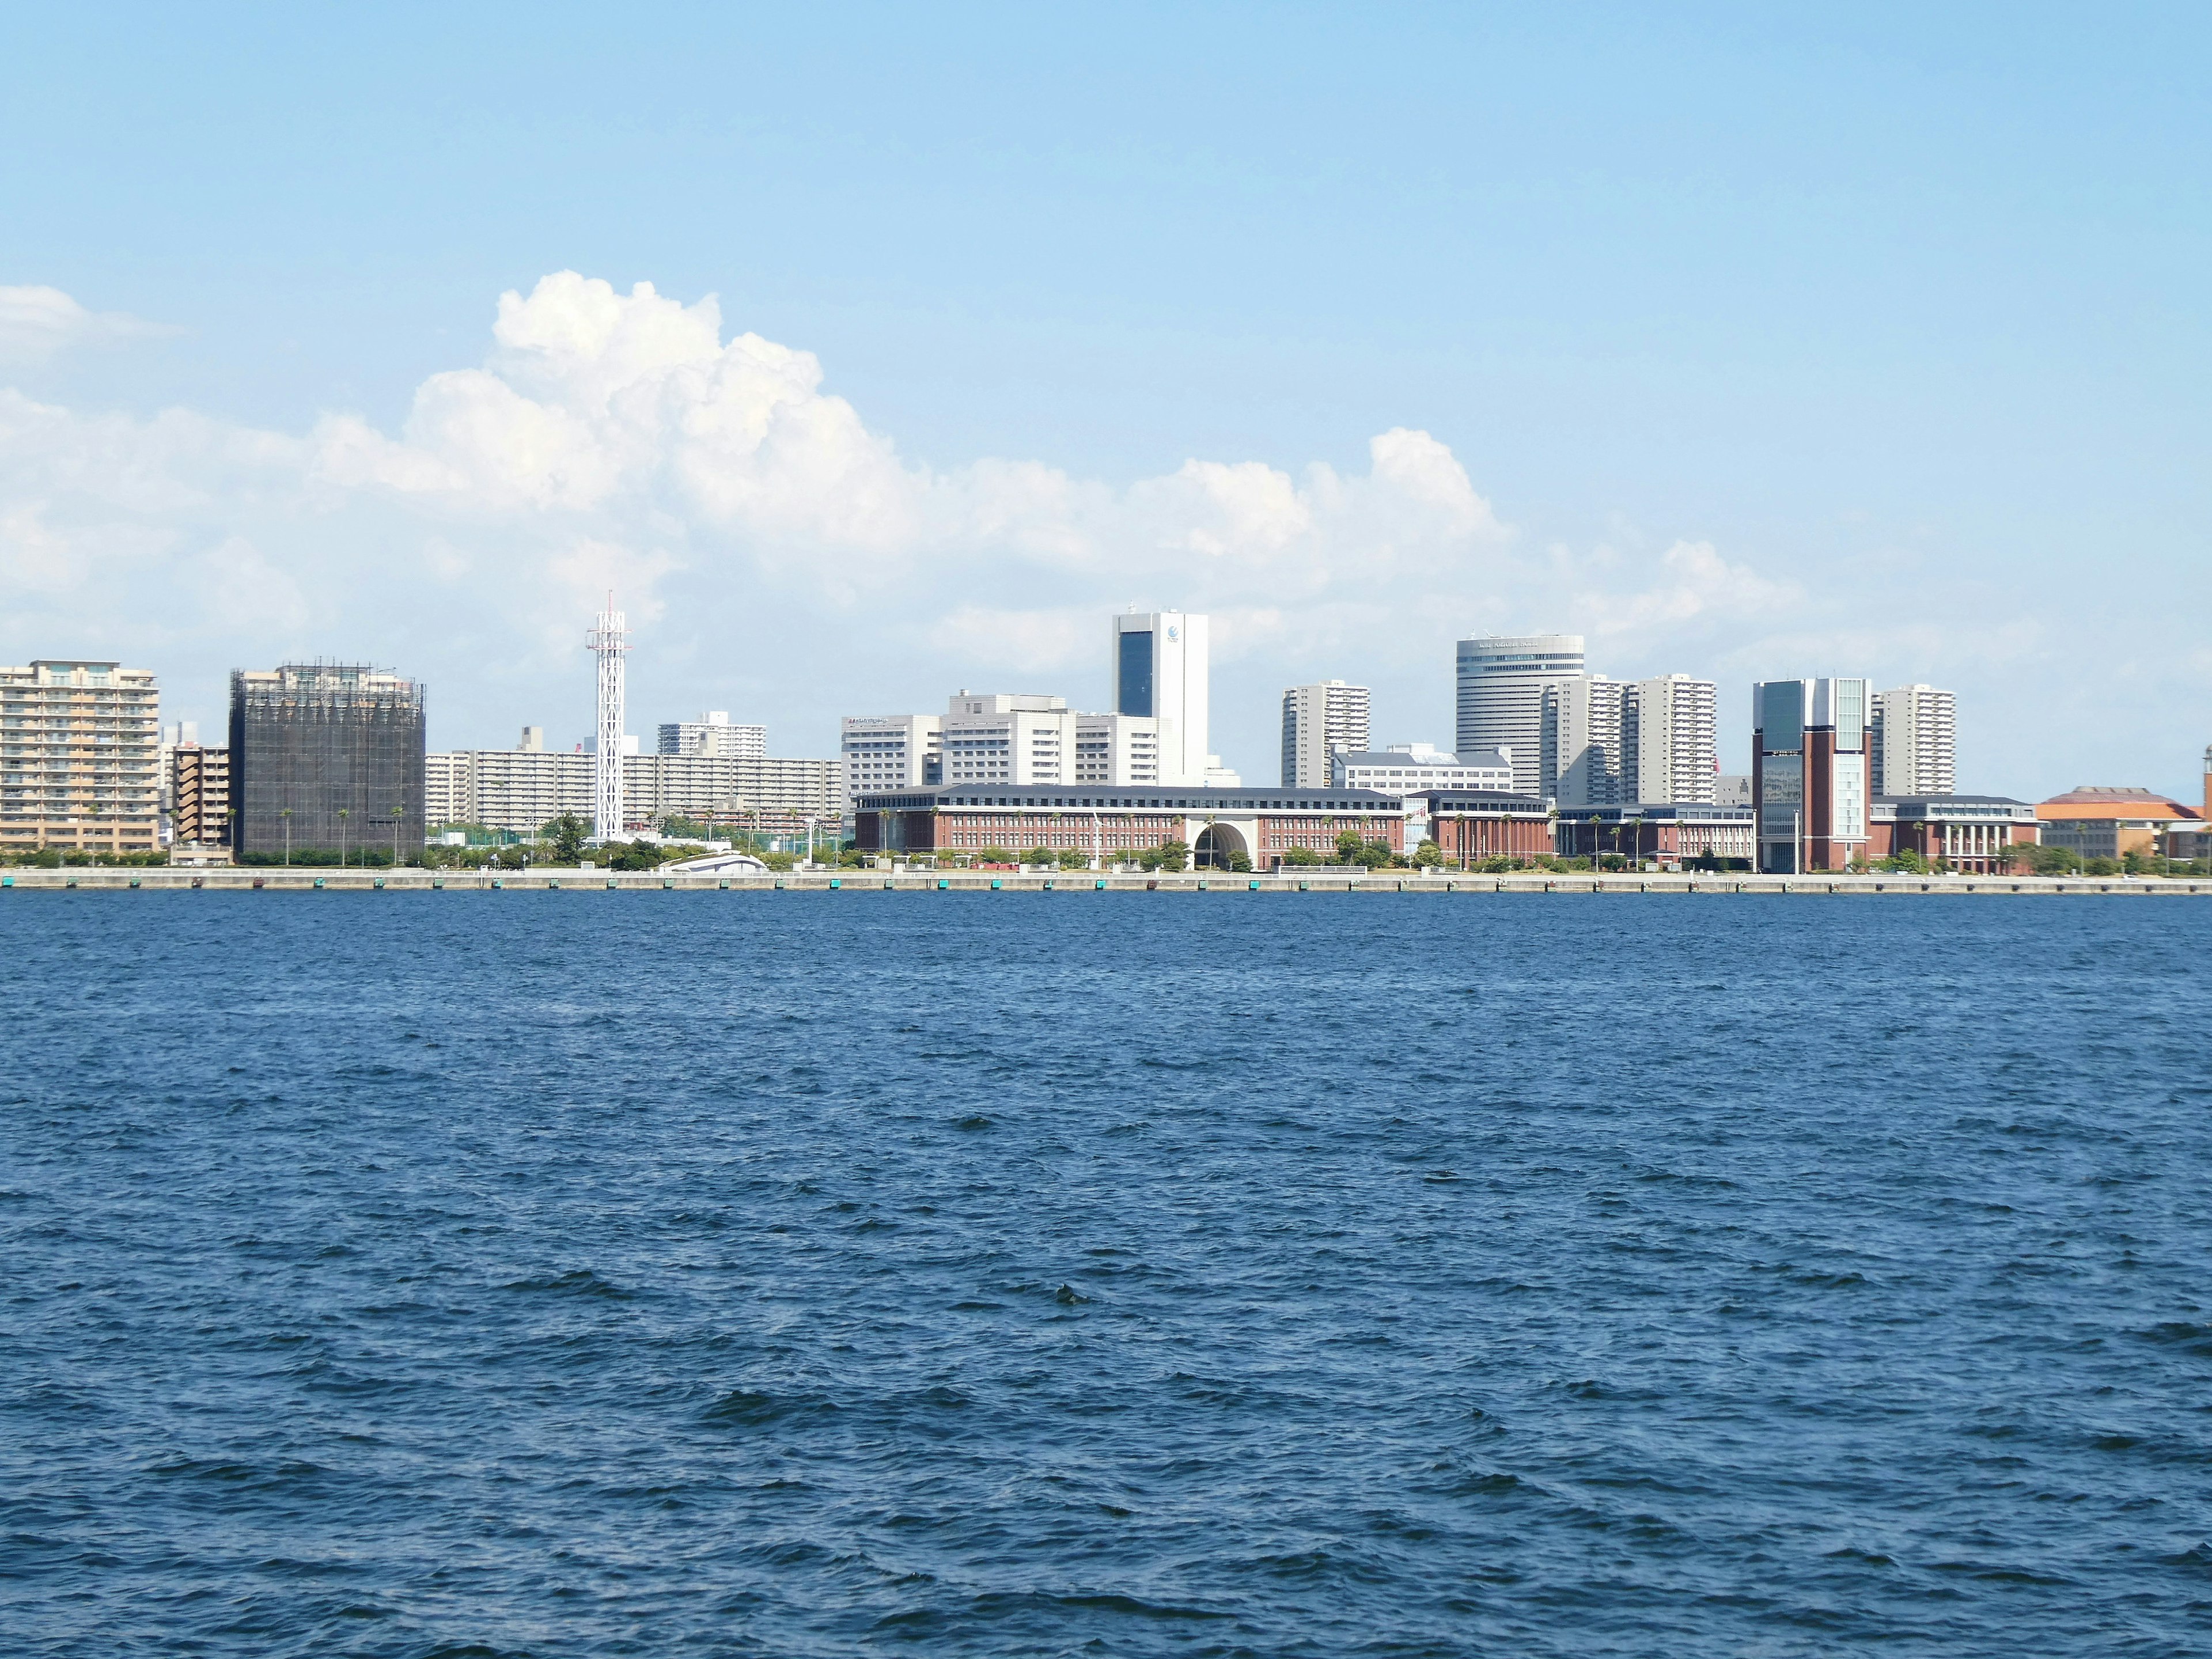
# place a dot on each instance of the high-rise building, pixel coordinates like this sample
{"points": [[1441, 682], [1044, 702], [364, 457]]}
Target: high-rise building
{"points": [[1579, 744], [1914, 741], [80, 757], [1160, 666], [200, 797], [1808, 773], [1501, 697], [1004, 736], [1669, 746], [712, 733], [327, 756], [1318, 720]]}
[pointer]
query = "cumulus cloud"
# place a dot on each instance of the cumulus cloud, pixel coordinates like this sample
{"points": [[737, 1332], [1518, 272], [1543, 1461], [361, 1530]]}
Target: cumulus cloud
{"points": [[761, 535]]}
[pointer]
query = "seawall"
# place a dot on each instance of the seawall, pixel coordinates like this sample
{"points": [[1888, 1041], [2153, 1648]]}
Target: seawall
{"points": [[90, 878]]}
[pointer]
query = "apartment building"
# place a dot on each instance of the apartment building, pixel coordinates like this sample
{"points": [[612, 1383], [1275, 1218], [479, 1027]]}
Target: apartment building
{"points": [[1914, 741], [712, 733], [1318, 720], [80, 757]]}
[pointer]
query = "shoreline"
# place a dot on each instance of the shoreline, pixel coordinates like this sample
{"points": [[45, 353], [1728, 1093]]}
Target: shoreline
{"points": [[309, 879]]}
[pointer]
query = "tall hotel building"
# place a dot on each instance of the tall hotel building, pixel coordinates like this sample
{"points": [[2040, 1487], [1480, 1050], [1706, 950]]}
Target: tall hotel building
{"points": [[1914, 742], [1808, 773], [1160, 672], [80, 757], [1502, 681], [1318, 720], [325, 755]]}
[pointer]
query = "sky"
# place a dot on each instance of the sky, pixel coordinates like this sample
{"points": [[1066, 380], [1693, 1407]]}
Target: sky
{"points": [[867, 353]]}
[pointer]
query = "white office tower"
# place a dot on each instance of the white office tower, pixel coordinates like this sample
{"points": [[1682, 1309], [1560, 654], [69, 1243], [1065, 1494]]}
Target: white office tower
{"points": [[1584, 722], [610, 639], [1318, 720], [892, 751], [712, 733], [533, 741], [1502, 679], [1159, 669], [1669, 742], [1914, 742], [1117, 749]]}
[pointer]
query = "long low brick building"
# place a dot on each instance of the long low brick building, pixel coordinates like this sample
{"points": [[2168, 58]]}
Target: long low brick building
{"points": [[1217, 824]]}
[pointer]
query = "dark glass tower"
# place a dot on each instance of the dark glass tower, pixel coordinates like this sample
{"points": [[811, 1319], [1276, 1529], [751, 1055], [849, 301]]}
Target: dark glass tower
{"points": [[325, 757]]}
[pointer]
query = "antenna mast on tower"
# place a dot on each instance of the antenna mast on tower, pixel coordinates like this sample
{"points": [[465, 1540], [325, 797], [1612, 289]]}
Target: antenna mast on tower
{"points": [[610, 640]]}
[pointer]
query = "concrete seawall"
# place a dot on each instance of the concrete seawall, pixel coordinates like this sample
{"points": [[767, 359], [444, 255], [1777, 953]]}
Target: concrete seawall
{"points": [[299, 880]]}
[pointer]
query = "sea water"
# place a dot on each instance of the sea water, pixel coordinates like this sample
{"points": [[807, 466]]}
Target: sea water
{"points": [[1104, 1273]]}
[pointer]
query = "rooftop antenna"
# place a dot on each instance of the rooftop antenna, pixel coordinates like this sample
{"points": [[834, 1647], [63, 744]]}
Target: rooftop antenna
{"points": [[610, 641]]}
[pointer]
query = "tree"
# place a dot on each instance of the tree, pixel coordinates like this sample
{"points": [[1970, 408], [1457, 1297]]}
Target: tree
{"points": [[1239, 864], [568, 833], [1349, 847], [1301, 856], [1428, 855], [1168, 855], [1038, 856], [1073, 858]]}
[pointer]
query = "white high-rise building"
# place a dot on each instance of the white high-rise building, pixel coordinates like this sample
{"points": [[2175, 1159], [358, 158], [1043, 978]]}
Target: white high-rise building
{"points": [[1584, 722], [893, 751], [1502, 679], [1117, 748], [1159, 666], [712, 733], [1318, 720], [1669, 740], [1914, 741]]}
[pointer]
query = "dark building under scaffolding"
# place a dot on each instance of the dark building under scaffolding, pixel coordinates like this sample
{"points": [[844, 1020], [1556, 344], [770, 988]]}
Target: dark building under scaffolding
{"points": [[326, 757]]}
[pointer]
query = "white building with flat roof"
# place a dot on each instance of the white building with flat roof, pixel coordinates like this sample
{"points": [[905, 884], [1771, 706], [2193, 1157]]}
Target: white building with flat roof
{"points": [[1318, 720], [1502, 680], [712, 733], [892, 751], [1160, 672], [1669, 740], [1409, 769], [1913, 741]]}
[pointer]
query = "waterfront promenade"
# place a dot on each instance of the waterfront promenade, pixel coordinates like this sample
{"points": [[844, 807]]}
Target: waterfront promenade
{"points": [[297, 879]]}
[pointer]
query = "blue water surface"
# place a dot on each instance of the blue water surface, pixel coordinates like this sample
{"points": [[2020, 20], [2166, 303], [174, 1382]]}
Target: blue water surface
{"points": [[1104, 1273]]}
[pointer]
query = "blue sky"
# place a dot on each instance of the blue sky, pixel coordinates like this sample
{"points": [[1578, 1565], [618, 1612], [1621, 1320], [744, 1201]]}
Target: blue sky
{"points": [[1756, 344]]}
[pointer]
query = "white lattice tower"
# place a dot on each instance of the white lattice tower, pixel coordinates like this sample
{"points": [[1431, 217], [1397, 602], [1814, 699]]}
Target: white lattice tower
{"points": [[610, 640]]}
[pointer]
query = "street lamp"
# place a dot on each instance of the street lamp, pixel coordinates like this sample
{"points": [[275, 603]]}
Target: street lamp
{"points": [[286, 815]]}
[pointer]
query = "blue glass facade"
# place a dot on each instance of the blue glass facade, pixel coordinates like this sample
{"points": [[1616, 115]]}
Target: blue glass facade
{"points": [[1135, 678]]}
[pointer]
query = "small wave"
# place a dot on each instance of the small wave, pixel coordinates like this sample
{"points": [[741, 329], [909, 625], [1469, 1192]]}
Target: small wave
{"points": [[579, 1281]]}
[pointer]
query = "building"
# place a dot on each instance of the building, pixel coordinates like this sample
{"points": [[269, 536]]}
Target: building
{"points": [[764, 791], [1969, 833], [2110, 821], [1219, 825], [1669, 834], [517, 790], [1008, 738], [325, 755], [1584, 722], [1502, 679], [80, 757], [1319, 720], [893, 751], [1413, 768], [712, 734], [1808, 773], [173, 737], [1914, 741], [1732, 789], [1159, 670], [1669, 744], [200, 796], [1470, 825]]}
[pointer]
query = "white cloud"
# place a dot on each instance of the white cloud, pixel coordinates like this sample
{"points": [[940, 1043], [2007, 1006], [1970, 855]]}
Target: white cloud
{"points": [[787, 556], [36, 323]]}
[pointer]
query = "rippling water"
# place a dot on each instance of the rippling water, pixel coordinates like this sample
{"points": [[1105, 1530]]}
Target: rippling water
{"points": [[587, 1274]]}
